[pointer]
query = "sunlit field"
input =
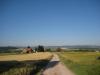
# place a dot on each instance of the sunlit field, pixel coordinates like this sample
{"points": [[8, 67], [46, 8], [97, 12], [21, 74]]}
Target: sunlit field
{"points": [[82, 63], [23, 57], [23, 64]]}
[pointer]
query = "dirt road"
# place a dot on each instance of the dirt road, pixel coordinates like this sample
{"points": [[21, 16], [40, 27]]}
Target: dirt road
{"points": [[55, 67]]}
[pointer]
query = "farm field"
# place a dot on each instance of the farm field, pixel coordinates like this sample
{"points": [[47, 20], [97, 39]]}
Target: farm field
{"points": [[81, 63], [23, 64]]}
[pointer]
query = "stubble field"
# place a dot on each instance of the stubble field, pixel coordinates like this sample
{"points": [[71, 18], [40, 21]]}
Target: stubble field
{"points": [[23, 64]]}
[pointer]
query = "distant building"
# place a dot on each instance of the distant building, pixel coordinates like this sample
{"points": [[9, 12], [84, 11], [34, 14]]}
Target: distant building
{"points": [[97, 51], [28, 50], [63, 48]]}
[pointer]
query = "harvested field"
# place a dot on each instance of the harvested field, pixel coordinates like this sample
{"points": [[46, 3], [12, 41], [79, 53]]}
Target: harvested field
{"points": [[23, 57], [24, 64]]}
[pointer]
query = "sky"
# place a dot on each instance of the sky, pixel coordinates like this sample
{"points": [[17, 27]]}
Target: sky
{"points": [[49, 22]]}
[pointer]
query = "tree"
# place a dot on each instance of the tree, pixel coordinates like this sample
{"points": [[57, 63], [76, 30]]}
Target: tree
{"points": [[40, 48]]}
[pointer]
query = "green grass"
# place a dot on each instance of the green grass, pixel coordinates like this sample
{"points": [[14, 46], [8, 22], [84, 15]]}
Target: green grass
{"points": [[81, 63]]}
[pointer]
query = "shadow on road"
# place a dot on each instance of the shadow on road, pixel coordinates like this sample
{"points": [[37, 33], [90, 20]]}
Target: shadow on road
{"points": [[51, 64]]}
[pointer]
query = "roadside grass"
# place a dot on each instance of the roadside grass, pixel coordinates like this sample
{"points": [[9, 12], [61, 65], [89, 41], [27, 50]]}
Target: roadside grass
{"points": [[27, 64], [81, 63]]}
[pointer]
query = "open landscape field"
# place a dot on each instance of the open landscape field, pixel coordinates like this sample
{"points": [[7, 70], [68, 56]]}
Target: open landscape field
{"points": [[82, 63], [23, 64]]}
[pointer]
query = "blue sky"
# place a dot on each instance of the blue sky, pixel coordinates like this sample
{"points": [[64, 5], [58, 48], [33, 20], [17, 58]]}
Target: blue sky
{"points": [[49, 22]]}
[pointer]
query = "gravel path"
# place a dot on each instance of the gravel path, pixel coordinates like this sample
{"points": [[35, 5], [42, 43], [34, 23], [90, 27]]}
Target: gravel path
{"points": [[55, 67]]}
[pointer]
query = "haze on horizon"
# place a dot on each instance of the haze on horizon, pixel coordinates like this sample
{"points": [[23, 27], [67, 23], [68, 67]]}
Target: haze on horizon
{"points": [[49, 22]]}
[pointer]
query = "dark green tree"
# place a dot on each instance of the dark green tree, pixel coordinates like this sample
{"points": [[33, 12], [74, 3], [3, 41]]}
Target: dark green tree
{"points": [[40, 48]]}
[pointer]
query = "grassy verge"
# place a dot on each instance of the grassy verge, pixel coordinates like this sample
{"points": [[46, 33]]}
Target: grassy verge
{"points": [[81, 63]]}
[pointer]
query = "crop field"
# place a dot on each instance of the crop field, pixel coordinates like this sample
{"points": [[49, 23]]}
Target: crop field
{"points": [[82, 63], [23, 64]]}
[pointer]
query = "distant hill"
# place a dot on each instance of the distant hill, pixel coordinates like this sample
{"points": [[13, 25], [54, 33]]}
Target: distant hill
{"points": [[82, 47], [65, 46], [7, 49], [74, 46]]}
